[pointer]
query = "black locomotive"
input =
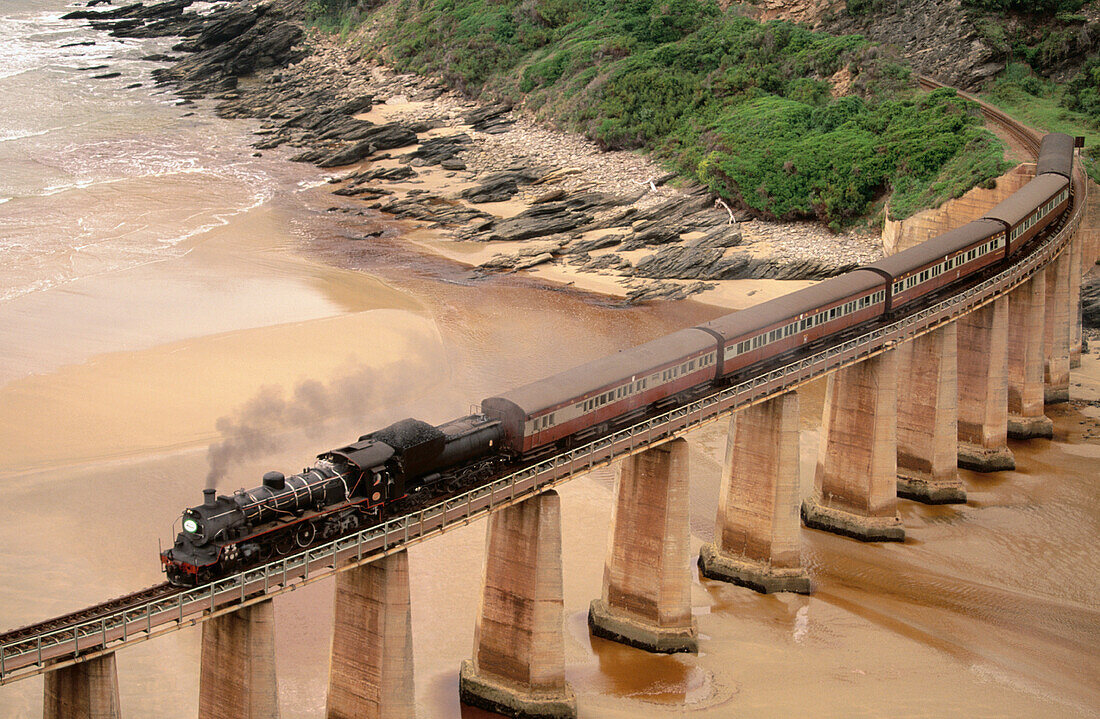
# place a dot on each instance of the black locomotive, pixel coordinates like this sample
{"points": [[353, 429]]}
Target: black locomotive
{"points": [[346, 489]]}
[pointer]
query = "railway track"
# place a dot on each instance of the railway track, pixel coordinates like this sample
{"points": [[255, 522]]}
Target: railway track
{"points": [[1024, 135], [28, 634]]}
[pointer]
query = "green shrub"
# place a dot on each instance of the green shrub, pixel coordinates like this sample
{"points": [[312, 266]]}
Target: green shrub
{"points": [[1034, 7], [787, 159]]}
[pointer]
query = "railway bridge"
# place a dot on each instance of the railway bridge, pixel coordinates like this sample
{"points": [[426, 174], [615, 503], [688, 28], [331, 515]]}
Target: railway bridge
{"points": [[906, 404]]}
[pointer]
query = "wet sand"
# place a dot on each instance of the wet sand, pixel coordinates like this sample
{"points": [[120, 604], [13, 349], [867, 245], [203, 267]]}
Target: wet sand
{"points": [[112, 388]]}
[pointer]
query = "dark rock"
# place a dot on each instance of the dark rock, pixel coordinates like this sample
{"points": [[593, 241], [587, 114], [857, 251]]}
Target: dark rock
{"points": [[452, 163], [271, 142], [78, 44], [539, 221], [133, 85], [489, 119], [91, 67], [124, 11], [115, 26], [315, 155], [550, 196], [232, 41], [226, 25], [432, 208], [159, 57], [378, 137], [713, 263], [599, 243], [436, 150], [664, 223], [610, 261], [685, 263], [499, 186], [363, 192], [356, 105], [727, 235], [1090, 303], [106, 75], [665, 291], [391, 174]]}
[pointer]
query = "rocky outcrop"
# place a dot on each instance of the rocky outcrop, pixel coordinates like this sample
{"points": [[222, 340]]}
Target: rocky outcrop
{"points": [[500, 186], [1090, 303], [960, 46], [701, 262]]}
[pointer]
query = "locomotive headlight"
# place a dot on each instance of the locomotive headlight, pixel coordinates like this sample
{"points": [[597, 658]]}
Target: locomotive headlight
{"points": [[190, 525]]}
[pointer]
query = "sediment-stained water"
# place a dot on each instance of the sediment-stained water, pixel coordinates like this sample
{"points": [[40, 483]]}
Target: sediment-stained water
{"points": [[156, 278]]}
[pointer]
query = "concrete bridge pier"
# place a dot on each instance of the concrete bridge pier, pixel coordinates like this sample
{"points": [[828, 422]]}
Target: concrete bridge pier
{"points": [[983, 389], [518, 667], [237, 676], [1076, 330], [1026, 308], [646, 600], [757, 532], [928, 413], [855, 484], [88, 690], [371, 666], [1057, 331]]}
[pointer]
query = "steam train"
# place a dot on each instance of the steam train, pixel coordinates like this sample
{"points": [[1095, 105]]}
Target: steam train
{"points": [[385, 471]]}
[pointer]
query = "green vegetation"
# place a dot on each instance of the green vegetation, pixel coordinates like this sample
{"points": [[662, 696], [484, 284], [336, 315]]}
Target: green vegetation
{"points": [[1040, 103], [339, 17], [1034, 7], [795, 160], [747, 108]]}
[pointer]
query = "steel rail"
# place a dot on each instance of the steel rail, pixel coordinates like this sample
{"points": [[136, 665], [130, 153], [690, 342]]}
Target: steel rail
{"points": [[1026, 136], [131, 619]]}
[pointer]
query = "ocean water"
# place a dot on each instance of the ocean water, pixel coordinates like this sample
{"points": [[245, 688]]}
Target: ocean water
{"points": [[104, 173]]}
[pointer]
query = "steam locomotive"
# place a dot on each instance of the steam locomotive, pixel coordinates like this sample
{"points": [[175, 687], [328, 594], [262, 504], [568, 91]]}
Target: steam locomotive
{"points": [[383, 472]]}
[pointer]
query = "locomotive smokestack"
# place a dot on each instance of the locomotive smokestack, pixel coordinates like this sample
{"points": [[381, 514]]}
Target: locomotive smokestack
{"points": [[208, 497], [274, 480]]}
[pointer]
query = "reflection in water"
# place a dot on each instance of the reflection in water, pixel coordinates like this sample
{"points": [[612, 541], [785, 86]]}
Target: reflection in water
{"points": [[622, 671]]}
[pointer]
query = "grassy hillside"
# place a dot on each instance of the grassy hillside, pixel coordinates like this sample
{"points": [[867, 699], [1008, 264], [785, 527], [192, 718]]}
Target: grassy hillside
{"points": [[777, 119]]}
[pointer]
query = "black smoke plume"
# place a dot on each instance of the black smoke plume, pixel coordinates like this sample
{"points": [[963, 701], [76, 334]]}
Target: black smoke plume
{"points": [[259, 426]]}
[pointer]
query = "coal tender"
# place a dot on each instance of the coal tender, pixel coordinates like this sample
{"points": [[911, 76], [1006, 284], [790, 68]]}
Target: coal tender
{"points": [[348, 488]]}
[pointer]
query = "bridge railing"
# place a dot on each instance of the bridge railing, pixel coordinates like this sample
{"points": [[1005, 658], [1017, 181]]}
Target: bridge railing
{"points": [[31, 655]]}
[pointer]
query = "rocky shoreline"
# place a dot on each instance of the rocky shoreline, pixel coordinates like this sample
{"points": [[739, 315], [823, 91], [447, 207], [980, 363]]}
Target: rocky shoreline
{"points": [[473, 173]]}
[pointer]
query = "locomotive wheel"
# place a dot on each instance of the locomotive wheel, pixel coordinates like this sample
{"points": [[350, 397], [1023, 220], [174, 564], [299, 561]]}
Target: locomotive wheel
{"points": [[284, 545], [267, 551], [305, 535]]}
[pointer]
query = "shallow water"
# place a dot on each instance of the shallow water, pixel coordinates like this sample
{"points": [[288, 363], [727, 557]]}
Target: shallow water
{"points": [[144, 299]]}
